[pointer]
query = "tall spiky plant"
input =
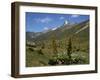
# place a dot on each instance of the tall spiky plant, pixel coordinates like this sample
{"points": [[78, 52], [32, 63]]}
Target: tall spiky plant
{"points": [[54, 44], [69, 48]]}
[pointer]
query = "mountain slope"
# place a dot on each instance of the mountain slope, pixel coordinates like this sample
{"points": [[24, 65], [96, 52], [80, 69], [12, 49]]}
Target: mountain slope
{"points": [[81, 30]]}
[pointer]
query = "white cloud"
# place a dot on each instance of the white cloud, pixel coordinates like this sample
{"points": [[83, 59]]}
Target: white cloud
{"points": [[44, 20], [46, 28], [54, 28], [61, 17], [75, 16]]}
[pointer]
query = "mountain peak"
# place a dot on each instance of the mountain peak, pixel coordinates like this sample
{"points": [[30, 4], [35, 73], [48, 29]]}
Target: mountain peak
{"points": [[66, 22]]}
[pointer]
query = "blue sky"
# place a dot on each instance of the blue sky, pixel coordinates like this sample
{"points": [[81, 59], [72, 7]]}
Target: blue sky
{"points": [[38, 22]]}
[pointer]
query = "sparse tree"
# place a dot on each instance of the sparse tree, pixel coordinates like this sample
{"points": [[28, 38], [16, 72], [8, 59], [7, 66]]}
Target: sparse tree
{"points": [[69, 48], [42, 45], [54, 45]]}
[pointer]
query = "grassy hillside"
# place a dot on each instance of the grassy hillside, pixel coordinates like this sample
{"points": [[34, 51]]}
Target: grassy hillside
{"points": [[63, 46]]}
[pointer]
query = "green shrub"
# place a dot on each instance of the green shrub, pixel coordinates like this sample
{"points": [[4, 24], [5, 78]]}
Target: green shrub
{"points": [[59, 59], [31, 49], [52, 62], [40, 51]]}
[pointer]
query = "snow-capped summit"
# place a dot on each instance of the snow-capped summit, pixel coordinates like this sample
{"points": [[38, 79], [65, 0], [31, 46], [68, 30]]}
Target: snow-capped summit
{"points": [[65, 22]]}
